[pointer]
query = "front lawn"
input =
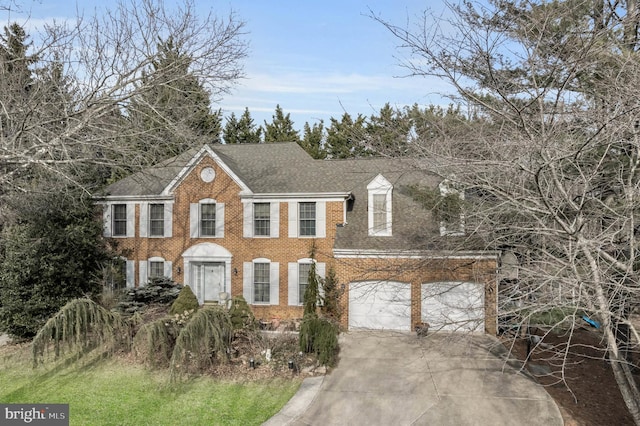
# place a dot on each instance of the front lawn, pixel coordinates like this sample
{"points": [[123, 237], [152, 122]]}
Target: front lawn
{"points": [[115, 392]]}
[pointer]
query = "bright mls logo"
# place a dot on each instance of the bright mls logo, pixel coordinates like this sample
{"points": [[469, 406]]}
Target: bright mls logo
{"points": [[37, 414]]}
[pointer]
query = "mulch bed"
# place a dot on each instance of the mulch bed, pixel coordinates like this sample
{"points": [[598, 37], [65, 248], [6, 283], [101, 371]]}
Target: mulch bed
{"points": [[584, 389]]}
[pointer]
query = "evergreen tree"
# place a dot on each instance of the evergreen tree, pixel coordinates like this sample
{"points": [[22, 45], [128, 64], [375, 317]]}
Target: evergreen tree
{"points": [[280, 129], [241, 130], [16, 81], [231, 130], [51, 253], [345, 138], [174, 112], [388, 132], [312, 140]]}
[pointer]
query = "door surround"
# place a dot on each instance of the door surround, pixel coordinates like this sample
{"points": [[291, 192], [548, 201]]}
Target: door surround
{"points": [[207, 253]]}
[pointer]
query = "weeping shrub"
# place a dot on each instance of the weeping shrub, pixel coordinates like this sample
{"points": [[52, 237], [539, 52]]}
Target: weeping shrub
{"points": [[319, 336], [155, 341], [204, 338], [81, 324]]}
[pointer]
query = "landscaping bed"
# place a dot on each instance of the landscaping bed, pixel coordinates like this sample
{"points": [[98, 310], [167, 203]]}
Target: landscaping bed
{"points": [[585, 388]]}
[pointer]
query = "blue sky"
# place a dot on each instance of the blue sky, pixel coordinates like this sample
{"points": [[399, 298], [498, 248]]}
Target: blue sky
{"points": [[317, 59]]}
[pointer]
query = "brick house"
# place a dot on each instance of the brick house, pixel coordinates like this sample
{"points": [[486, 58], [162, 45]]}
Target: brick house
{"points": [[241, 220]]}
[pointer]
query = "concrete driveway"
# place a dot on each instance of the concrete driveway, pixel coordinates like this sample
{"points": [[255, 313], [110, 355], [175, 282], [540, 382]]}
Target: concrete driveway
{"points": [[387, 378]]}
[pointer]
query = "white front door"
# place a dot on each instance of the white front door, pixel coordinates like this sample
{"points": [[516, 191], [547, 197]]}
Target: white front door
{"points": [[208, 280]]}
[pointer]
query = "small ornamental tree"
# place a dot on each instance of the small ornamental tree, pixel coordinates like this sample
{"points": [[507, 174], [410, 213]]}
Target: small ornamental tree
{"points": [[317, 335], [330, 306]]}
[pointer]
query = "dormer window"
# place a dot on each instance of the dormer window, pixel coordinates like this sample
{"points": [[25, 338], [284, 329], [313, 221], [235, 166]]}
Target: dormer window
{"points": [[379, 205], [451, 215]]}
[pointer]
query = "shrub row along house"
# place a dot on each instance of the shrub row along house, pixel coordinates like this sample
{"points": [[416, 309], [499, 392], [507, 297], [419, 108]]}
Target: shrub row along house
{"points": [[232, 220]]}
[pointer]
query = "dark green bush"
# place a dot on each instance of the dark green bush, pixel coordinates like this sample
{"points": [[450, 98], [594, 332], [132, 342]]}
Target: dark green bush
{"points": [[319, 336], [186, 301], [241, 314], [161, 291]]}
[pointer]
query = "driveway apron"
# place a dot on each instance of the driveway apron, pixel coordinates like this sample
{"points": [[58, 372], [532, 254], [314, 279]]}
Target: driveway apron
{"points": [[389, 378]]}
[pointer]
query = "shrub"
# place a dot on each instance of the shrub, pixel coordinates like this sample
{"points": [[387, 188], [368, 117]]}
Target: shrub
{"points": [[330, 307], [156, 340], [241, 314], [81, 324], [204, 338], [185, 302], [319, 336], [157, 291]]}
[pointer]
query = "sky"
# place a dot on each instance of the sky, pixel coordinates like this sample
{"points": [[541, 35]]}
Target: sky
{"points": [[316, 59]]}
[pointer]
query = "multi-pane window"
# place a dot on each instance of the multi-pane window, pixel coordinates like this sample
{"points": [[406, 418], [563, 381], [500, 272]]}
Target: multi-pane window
{"points": [[307, 219], [156, 220], [156, 269], [261, 219], [119, 220], [261, 282], [207, 220], [303, 280], [379, 212]]}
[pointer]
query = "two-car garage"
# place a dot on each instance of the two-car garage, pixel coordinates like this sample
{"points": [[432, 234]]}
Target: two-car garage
{"points": [[387, 305]]}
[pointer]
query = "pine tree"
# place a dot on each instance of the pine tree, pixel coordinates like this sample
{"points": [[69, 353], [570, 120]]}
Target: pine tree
{"points": [[174, 111], [230, 132], [388, 132], [345, 138], [51, 254], [312, 140], [280, 129]]}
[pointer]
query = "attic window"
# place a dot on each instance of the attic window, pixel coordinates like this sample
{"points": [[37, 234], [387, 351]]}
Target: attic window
{"points": [[451, 215], [379, 207]]}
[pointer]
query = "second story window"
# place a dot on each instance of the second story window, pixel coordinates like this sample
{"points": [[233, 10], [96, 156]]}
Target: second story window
{"points": [[119, 215], [156, 220], [207, 220], [261, 219], [307, 219]]}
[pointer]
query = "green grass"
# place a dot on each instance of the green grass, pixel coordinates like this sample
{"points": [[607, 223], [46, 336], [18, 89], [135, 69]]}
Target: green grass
{"points": [[110, 392]]}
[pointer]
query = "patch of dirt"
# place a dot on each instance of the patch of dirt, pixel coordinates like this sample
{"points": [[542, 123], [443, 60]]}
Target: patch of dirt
{"points": [[578, 377]]}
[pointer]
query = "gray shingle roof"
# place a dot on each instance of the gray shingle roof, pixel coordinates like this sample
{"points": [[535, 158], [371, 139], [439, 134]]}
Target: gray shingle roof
{"points": [[283, 168]]}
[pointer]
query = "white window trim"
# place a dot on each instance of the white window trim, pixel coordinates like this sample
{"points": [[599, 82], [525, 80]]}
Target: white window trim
{"points": [[321, 219], [144, 268], [108, 220], [274, 282], [274, 219], [145, 219], [293, 290], [380, 186], [446, 188], [131, 273], [194, 219]]}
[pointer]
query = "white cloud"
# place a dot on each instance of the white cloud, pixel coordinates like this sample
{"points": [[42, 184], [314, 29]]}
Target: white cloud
{"points": [[296, 83]]}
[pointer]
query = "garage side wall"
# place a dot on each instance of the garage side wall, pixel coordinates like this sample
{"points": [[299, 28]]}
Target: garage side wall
{"points": [[417, 272]]}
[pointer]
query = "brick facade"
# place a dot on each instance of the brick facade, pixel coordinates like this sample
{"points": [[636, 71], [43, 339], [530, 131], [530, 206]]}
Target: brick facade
{"points": [[225, 188]]}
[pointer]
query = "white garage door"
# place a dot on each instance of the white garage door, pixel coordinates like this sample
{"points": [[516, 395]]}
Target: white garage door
{"points": [[453, 306], [380, 305]]}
